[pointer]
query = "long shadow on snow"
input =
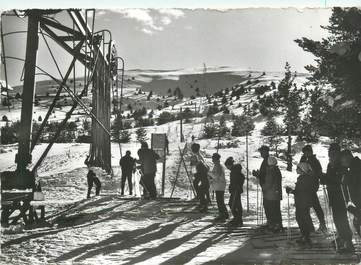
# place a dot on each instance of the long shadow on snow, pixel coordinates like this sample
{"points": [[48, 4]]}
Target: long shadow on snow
{"points": [[189, 254], [120, 237], [114, 245], [69, 225], [165, 246]]}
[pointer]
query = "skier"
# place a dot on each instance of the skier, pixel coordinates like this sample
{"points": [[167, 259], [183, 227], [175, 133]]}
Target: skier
{"points": [[202, 186], [305, 187], [218, 184], [148, 167], [311, 159], [261, 176], [272, 190], [194, 160], [127, 164], [352, 181], [333, 181], [235, 189], [92, 179]]}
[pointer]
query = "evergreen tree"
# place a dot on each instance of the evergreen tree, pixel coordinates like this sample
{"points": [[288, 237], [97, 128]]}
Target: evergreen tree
{"points": [[242, 125], [124, 136], [165, 117], [210, 130], [116, 128], [222, 128], [274, 132], [338, 65], [141, 134], [290, 103]]}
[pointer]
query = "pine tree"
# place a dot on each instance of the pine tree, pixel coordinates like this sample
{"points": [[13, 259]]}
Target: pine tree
{"points": [[141, 134], [222, 128], [289, 100], [124, 136], [274, 132], [338, 65], [242, 125], [117, 127]]}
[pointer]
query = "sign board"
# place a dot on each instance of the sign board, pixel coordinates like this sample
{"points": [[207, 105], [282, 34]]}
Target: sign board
{"points": [[158, 141], [158, 144]]}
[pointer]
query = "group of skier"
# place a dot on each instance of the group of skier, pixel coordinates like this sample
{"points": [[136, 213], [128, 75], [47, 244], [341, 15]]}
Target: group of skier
{"points": [[206, 180], [146, 164], [341, 185]]}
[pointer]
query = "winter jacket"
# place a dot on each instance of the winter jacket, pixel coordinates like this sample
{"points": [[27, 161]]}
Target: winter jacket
{"points": [[272, 188], [217, 176], [262, 171], [148, 160], [202, 174], [316, 167], [353, 181], [305, 187], [127, 164], [236, 178], [194, 160], [333, 176]]}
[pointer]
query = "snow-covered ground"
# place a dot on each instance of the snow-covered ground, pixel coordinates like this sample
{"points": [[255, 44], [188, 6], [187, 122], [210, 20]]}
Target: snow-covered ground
{"points": [[110, 230]]}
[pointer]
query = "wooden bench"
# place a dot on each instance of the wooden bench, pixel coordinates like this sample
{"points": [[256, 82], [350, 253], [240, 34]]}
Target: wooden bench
{"points": [[16, 195], [13, 200]]}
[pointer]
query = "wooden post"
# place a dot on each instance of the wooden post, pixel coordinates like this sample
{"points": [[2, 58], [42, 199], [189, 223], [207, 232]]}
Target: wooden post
{"points": [[23, 157], [247, 171], [181, 126], [163, 173]]}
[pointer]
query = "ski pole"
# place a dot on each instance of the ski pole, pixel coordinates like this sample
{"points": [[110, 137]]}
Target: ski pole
{"points": [[332, 224], [257, 206], [261, 208], [288, 218], [326, 206], [346, 201]]}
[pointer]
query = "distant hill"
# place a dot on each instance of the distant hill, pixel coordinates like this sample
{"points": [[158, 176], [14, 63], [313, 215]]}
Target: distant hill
{"points": [[161, 82]]}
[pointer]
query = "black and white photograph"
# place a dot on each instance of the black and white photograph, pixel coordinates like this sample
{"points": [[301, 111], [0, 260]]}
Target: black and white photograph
{"points": [[180, 135]]}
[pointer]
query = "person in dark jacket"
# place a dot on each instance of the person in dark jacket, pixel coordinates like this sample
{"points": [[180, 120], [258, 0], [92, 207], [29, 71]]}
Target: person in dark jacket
{"points": [[261, 176], [203, 186], [333, 181], [195, 158], [127, 164], [305, 187], [272, 190], [352, 188], [92, 179], [311, 159], [235, 189], [148, 167]]}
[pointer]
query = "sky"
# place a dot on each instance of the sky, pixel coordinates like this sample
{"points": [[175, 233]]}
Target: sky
{"points": [[175, 3], [251, 39]]}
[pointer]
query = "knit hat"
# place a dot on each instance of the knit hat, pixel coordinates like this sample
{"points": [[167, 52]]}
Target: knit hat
{"points": [[216, 156], [307, 148], [229, 161], [264, 148], [272, 161]]}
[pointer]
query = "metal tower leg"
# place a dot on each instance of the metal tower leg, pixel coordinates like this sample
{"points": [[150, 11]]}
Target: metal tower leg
{"points": [[23, 157]]}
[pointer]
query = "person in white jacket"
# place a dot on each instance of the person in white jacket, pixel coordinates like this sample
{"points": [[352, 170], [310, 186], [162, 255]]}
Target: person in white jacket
{"points": [[218, 184]]}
